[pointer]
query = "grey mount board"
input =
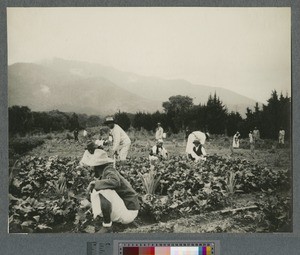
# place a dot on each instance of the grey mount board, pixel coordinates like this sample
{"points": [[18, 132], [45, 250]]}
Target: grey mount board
{"points": [[230, 244]]}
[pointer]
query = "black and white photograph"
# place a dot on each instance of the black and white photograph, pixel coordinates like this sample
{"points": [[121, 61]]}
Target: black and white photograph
{"points": [[149, 120]]}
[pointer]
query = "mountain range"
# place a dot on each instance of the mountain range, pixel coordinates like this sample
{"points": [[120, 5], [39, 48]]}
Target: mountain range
{"points": [[90, 88]]}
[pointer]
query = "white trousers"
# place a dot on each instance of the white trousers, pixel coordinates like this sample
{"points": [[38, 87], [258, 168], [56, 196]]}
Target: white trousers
{"points": [[123, 151], [119, 213]]}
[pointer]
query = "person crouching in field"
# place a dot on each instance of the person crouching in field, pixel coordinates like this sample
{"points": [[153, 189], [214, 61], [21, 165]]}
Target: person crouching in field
{"points": [[196, 135], [157, 152], [112, 196], [121, 141], [198, 152]]}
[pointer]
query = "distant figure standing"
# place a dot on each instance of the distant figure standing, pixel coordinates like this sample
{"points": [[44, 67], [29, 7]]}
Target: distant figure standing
{"points": [[159, 132], [76, 134], [85, 133], [236, 140], [196, 135], [250, 137], [256, 135], [251, 141], [121, 141], [281, 136]]}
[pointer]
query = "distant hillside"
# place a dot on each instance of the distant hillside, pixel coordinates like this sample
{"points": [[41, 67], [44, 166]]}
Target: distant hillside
{"points": [[42, 88], [153, 88], [82, 87]]}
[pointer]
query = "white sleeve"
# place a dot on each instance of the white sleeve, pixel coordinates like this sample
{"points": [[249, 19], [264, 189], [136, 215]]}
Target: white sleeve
{"points": [[116, 137], [86, 158]]}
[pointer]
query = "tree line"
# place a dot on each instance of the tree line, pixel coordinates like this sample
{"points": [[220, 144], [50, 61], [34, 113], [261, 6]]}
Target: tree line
{"points": [[180, 115], [22, 121]]}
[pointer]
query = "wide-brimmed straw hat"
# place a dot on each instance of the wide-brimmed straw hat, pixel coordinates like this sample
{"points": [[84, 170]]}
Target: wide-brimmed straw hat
{"points": [[100, 158]]}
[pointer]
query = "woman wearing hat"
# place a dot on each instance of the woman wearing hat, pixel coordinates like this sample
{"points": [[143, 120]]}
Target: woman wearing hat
{"points": [[121, 141], [112, 197]]}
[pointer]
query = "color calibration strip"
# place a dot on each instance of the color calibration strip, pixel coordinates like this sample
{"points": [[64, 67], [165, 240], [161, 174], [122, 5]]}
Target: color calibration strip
{"points": [[167, 249]]}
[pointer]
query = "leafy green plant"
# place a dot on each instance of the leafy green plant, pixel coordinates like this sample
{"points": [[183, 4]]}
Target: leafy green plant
{"points": [[277, 213], [150, 181], [231, 182]]}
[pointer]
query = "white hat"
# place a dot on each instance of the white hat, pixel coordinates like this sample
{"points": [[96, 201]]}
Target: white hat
{"points": [[99, 158]]}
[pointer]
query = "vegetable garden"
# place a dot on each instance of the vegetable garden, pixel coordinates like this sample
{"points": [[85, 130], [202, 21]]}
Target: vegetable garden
{"points": [[225, 193]]}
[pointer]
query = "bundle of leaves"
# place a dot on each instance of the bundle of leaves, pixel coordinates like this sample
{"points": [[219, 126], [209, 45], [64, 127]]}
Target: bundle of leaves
{"points": [[150, 181]]}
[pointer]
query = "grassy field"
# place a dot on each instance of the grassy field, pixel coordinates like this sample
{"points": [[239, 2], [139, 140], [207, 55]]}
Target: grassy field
{"points": [[272, 206]]}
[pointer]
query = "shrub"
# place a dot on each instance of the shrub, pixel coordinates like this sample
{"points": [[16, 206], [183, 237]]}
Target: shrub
{"points": [[24, 144]]}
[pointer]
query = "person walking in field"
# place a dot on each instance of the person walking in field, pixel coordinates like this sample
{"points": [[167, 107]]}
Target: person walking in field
{"points": [[236, 140], [159, 132], [121, 141], [281, 136], [196, 135], [256, 135], [111, 195], [157, 152]]}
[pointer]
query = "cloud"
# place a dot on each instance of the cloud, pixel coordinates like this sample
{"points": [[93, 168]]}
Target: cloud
{"points": [[45, 89]]}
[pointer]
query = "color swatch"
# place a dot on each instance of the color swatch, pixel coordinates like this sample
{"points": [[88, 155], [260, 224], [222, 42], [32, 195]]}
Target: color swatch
{"points": [[185, 250]]}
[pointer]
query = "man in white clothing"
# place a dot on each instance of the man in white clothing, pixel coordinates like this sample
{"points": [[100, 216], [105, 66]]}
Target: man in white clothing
{"points": [[121, 141], [281, 136], [196, 135], [159, 132]]}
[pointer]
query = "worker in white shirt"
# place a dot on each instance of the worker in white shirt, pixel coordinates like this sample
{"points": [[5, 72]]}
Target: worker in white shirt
{"points": [[281, 136], [121, 141], [159, 132], [196, 135]]}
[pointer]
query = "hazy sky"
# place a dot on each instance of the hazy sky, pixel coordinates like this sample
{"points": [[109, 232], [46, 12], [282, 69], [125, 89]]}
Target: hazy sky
{"points": [[247, 50]]}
